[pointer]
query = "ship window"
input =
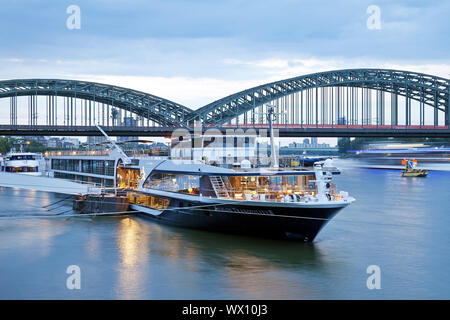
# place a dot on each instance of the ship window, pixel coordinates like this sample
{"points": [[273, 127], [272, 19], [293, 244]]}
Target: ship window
{"points": [[128, 178], [153, 202], [22, 157], [182, 183], [272, 187]]}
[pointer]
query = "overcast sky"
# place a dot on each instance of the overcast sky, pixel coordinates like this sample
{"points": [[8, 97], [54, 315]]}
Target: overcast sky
{"points": [[194, 52]]}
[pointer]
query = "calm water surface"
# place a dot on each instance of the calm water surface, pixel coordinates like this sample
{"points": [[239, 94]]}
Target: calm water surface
{"points": [[400, 224]]}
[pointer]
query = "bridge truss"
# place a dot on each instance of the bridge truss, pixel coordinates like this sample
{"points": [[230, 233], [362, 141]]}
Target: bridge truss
{"points": [[71, 103], [372, 99], [353, 97]]}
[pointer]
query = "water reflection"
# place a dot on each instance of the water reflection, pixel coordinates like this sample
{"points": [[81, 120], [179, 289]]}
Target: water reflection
{"points": [[243, 266], [190, 245], [93, 246], [37, 234], [134, 247]]}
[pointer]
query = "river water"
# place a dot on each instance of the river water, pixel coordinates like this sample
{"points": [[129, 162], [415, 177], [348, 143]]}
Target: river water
{"points": [[399, 224]]}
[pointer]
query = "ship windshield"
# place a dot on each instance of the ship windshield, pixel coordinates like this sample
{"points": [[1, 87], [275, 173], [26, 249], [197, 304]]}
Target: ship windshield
{"points": [[22, 157]]}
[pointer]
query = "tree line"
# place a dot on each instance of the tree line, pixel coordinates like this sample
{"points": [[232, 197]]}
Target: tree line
{"points": [[8, 143]]}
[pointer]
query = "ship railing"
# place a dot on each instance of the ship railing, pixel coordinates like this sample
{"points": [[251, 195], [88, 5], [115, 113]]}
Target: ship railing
{"points": [[287, 195], [269, 196], [93, 184], [137, 153], [77, 153]]}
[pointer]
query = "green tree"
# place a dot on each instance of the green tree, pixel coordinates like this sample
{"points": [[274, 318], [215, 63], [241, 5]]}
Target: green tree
{"points": [[344, 144], [5, 145], [34, 146]]}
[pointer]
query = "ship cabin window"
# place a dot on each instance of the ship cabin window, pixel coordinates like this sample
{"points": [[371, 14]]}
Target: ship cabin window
{"points": [[21, 169], [183, 183], [22, 157], [128, 178], [153, 202], [270, 188]]}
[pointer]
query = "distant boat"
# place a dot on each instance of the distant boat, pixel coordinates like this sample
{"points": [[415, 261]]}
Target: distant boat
{"points": [[411, 171], [310, 161], [23, 162]]}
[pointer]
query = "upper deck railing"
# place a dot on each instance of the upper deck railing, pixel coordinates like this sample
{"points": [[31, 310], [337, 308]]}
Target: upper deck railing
{"points": [[77, 153], [104, 152]]}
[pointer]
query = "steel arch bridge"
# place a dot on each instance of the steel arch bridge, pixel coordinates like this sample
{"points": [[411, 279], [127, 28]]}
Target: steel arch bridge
{"points": [[151, 107], [341, 102], [427, 89]]}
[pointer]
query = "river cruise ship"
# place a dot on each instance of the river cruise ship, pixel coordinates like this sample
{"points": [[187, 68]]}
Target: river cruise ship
{"points": [[294, 204], [280, 204], [268, 202]]}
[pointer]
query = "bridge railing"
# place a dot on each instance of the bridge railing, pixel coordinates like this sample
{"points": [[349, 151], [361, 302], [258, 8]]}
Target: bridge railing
{"points": [[337, 126]]}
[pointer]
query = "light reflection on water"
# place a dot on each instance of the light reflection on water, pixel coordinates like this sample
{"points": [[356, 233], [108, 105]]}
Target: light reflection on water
{"points": [[399, 224], [134, 255]]}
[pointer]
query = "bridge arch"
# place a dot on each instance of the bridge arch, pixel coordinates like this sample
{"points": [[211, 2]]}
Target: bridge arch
{"points": [[427, 89], [159, 110]]}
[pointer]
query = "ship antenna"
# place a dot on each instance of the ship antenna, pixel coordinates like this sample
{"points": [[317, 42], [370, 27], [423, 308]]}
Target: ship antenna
{"points": [[126, 159], [270, 115]]}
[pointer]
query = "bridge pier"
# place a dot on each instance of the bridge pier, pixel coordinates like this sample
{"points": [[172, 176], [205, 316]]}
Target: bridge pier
{"points": [[447, 109], [394, 109], [447, 115], [436, 115], [13, 111]]}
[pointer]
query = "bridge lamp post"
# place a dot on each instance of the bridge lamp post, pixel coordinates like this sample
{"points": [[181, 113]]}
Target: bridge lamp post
{"points": [[447, 113]]}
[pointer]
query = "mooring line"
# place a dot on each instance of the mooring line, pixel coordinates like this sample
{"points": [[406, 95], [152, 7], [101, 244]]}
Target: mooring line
{"points": [[61, 200]]}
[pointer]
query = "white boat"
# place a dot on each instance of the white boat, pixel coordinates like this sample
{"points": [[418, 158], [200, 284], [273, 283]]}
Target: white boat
{"points": [[23, 162]]}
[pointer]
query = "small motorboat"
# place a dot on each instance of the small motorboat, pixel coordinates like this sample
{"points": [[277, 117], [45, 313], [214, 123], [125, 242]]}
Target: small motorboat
{"points": [[410, 169]]}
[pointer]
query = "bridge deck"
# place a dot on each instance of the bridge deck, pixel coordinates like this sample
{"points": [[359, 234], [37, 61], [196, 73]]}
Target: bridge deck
{"points": [[283, 130]]}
